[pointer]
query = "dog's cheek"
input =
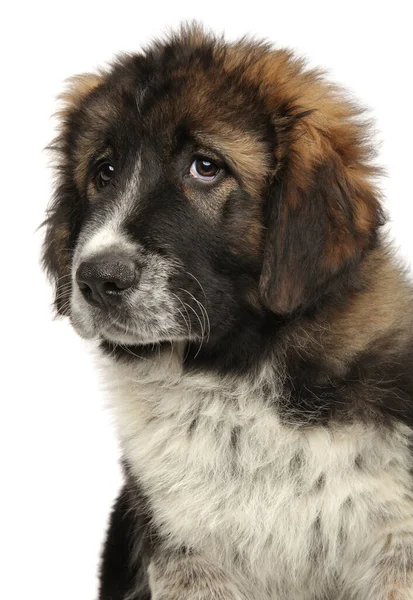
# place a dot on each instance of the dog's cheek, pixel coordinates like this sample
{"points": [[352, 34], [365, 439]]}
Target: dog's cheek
{"points": [[243, 224]]}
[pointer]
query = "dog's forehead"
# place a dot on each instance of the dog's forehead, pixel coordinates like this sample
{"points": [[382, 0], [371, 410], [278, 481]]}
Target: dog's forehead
{"points": [[194, 107], [204, 105]]}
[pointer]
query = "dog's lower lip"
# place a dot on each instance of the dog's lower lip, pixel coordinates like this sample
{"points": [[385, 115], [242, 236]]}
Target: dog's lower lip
{"points": [[117, 333]]}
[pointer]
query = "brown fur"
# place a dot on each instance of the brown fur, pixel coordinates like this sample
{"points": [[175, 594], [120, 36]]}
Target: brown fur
{"points": [[339, 333]]}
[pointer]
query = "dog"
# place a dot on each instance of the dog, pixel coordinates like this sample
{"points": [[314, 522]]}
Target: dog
{"points": [[217, 226]]}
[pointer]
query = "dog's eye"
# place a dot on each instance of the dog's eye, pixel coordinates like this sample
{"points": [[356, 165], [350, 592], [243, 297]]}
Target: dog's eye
{"points": [[104, 174], [204, 169]]}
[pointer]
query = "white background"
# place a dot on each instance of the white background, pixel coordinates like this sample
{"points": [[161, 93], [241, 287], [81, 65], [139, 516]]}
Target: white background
{"points": [[59, 471]]}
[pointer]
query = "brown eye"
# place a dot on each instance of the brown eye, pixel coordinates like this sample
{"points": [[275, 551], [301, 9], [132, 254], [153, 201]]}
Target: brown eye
{"points": [[105, 173], [204, 169]]}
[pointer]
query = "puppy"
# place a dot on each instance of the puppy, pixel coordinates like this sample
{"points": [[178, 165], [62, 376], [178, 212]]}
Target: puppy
{"points": [[216, 226]]}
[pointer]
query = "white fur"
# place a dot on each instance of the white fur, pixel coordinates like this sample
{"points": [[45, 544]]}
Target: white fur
{"points": [[300, 510], [103, 236]]}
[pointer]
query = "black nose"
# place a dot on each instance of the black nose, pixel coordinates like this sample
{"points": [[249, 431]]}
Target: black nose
{"points": [[103, 279]]}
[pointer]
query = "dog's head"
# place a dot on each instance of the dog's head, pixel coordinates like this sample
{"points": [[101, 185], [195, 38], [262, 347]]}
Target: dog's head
{"points": [[201, 181]]}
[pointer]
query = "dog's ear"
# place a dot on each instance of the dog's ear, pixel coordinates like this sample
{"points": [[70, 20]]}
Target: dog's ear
{"points": [[323, 208], [63, 213]]}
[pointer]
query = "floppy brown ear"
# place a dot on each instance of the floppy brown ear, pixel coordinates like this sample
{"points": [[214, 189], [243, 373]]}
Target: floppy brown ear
{"points": [[63, 212], [323, 210]]}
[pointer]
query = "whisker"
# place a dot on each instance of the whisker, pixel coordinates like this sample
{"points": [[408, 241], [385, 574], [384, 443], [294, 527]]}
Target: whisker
{"points": [[206, 299], [188, 323], [129, 351], [200, 324], [199, 304], [204, 312], [59, 278], [64, 294], [198, 282], [65, 306]]}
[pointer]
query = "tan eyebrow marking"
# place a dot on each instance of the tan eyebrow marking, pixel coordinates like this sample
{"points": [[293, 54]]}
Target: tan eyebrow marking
{"points": [[243, 152]]}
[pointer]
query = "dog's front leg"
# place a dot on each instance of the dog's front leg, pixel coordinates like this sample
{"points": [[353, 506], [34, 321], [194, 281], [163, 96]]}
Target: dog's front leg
{"points": [[190, 577]]}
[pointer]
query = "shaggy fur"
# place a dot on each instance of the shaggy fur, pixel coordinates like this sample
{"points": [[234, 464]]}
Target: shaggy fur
{"points": [[255, 329]]}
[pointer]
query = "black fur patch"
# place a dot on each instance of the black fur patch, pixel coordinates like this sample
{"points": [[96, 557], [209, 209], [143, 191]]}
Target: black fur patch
{"points": [[128, 547]]}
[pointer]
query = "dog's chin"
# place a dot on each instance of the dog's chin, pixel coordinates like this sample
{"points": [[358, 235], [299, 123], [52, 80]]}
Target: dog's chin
{"points": [[88, 329], [117, 336]]}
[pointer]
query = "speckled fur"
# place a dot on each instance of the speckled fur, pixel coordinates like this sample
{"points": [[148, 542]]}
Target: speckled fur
{"points": [[304, 513]]}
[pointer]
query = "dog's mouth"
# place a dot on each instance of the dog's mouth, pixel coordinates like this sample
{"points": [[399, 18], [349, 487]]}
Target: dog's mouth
{"points": [[103, 327], [114, 330], [142, 324]]}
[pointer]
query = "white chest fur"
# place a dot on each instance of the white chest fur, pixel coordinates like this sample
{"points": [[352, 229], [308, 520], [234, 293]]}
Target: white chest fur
{"points": [[226, 477]]}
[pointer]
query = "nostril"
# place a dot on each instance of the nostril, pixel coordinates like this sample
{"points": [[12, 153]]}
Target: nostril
{"points": [[114, 287], [86, 290], [83, 286]]}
